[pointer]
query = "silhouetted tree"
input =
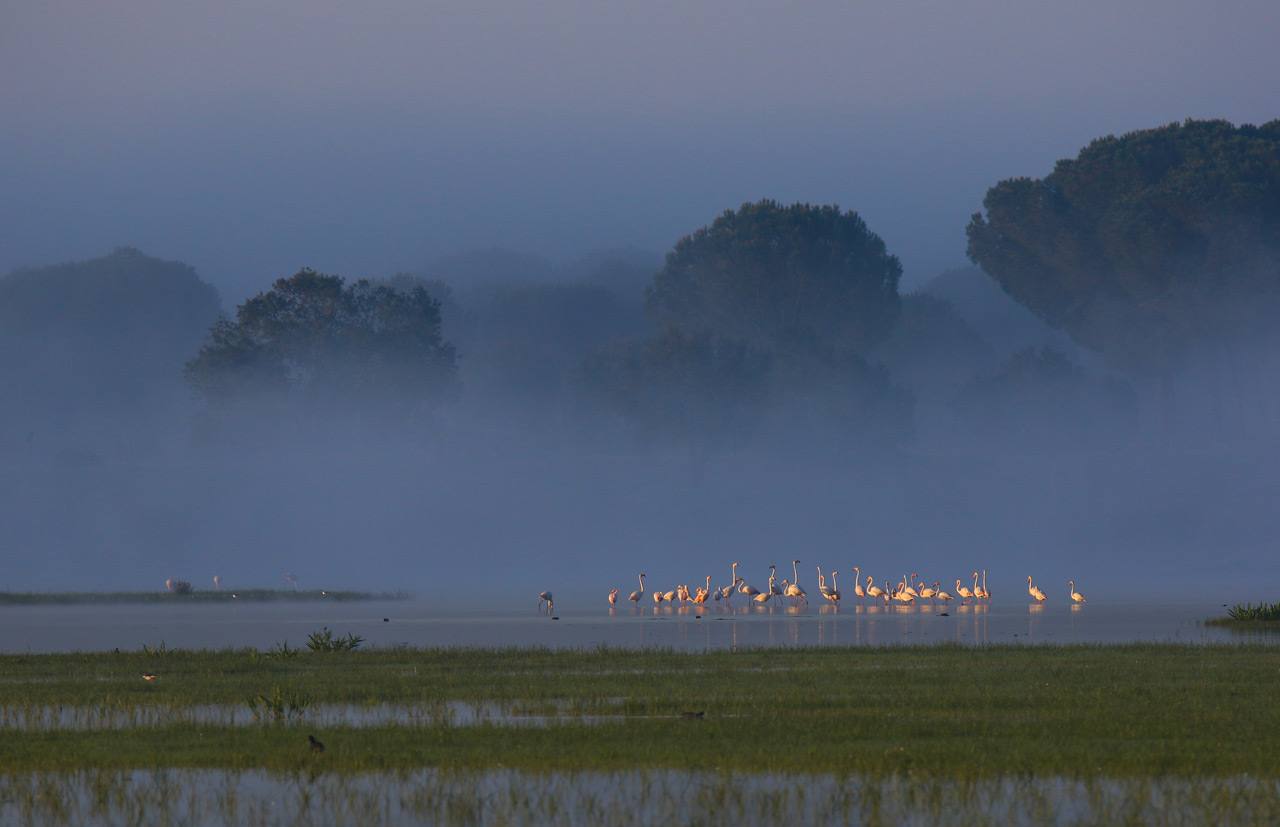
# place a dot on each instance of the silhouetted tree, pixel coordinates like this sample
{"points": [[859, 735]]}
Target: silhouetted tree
{"points": [[317, 339], [1144, 245], [692, 386], [111, 332], [774, 276]]}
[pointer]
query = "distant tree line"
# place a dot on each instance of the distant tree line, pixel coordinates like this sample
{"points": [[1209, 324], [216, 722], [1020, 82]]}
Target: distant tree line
{"points": [[1145, 250]]}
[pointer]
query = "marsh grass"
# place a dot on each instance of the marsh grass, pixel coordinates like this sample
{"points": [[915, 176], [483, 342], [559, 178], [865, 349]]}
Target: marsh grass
{"points": [[324, 640], [1249, 613], [1119, 711], [224, 596], [202, 797]]}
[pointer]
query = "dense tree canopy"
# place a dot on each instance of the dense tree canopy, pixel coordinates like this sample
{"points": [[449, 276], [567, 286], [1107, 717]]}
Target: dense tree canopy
{"points": [[100, 333], [316, 338], [778, 277], [1146, 244]]}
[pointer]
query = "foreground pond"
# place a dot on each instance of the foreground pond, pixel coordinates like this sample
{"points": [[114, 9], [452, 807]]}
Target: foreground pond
{"points": [[107, 627], [203, 797]]}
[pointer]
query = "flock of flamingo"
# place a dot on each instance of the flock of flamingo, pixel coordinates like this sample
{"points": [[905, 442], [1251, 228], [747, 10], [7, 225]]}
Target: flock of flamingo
{"points": [[908, 590]]}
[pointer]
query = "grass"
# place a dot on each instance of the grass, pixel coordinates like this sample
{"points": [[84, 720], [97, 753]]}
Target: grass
{"points": [[223, 596], [1118, 711], [1248, 613]]}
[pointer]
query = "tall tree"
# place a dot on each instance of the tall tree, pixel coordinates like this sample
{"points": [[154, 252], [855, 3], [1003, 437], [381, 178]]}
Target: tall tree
{"points": [[780, 277], [1146, 245], [318, 339]]}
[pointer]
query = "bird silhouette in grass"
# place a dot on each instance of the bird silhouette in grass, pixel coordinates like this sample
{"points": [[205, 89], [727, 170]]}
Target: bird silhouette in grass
{"points": [[316, 746], [149, 677]]}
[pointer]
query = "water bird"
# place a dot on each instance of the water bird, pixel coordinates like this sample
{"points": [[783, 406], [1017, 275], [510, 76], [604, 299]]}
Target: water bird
{"points": [[986, 593], [793, 590], [636, 596], [545, 597], [316, 745], [149, 677], [1076, 597], [1034, 591], [773, 582], [978, 591], [217, 583], [939, 594], [613, 597], [965, 592], [833, 594], [858, 591], [874, 591]]}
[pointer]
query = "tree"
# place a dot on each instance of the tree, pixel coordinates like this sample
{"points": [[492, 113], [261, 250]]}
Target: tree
{"points": [[88, 337], [779, 277], [691, 386], [1144, 246], [314, 338]]}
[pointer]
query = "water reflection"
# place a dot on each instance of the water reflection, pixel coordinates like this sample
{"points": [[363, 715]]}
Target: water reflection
{"points": [[209, 797], [689, 627]]}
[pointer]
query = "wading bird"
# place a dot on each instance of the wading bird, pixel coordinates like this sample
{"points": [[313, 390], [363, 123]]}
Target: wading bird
{"points": [[858, 591], [986, 593], [773, 582], [635, 596], [833, 594], [939, 594], [793, 590], [1076, 597], [966, 594], [1034, 591], [727, 591], [316, 746], [874, 591], [978, 592], [149, 677], [613, 597], [545, 597]]}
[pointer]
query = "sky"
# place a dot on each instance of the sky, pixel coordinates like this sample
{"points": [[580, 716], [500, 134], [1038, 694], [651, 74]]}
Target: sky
{"points": [[252, 138]]}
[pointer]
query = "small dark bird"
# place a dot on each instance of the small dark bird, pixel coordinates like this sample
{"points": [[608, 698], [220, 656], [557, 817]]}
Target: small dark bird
{"points": [[386, 620], [316, 746], [693, 715]]}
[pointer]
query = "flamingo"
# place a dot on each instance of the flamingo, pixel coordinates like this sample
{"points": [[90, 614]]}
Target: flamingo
{"points": [[977, 591], [1076, 597], [874, 591], [657, 597], [858, 591], [986, 593], [1035, 592], [545, 597], [762, 597], [670, 596], [964, 591], [823, 588], [217, 583], [885, 594], [773, 582], [793, 590], [939, 594], [727, 591], [613, 597], [749, 590], [701, 596], [926, 592], [833, 594], [636, 596], [908, 585], [903, 596], [906, 589]]}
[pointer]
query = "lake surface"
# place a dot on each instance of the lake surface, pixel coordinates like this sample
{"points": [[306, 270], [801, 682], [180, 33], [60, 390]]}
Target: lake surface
{"points": [[62, 628]]}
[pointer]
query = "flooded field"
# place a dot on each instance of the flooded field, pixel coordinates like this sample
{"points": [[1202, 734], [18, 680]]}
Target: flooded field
{"points": [[203, 797], [413, 623]]}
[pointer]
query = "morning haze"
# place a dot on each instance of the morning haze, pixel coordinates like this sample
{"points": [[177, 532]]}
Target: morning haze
{"points": [[526, 393]]}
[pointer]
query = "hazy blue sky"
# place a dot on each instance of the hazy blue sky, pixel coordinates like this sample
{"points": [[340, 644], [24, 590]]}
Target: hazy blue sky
{"points": [[250, 138]]}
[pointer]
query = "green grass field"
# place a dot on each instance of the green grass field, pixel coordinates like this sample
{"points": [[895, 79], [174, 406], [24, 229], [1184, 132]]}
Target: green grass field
{"points": [[1116, 711]]}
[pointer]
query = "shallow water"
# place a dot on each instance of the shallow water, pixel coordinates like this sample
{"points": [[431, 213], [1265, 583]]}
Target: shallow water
{"points": [[444, 713], [208, 797], [262, 625]]}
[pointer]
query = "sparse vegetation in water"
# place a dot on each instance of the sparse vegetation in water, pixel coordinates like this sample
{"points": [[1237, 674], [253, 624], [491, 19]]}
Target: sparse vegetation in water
{"points": [[325, 641], [1250, 613], [226, 595], [279, 705]]}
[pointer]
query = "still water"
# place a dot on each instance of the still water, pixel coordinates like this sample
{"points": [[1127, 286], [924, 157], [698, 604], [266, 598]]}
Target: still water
{"points": [[61, 628]]}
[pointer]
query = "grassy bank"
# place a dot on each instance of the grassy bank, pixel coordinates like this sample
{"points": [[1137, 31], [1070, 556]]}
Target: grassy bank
{"points": [[223, 596], [1249, 615], [1113, 710]]}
